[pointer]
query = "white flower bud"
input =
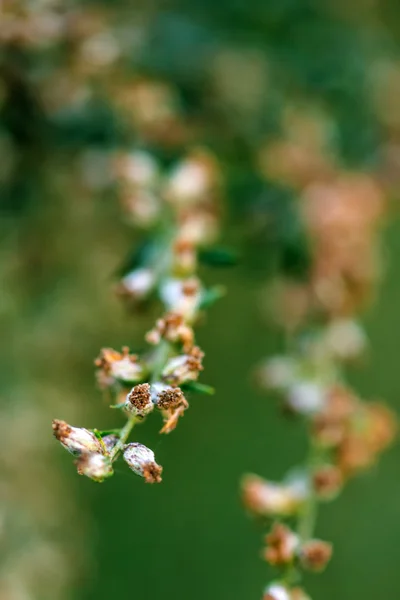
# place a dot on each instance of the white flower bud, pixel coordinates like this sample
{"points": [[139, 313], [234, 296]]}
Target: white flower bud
{"points": [[276, 591], [307, 397], [181, 296], [139, 283], [142, 462], [189, 181], [267, 498], [138, 168], [277, 373], [138, 401], [76, 439], [96, 466], [345, 339]]}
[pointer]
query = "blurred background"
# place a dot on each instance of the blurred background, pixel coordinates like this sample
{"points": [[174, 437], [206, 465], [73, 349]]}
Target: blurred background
{"points": [[278, 91]]}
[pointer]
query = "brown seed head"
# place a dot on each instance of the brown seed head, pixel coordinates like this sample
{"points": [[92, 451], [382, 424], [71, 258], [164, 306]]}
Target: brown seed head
{"points": [[170, 398], [139, 397]]}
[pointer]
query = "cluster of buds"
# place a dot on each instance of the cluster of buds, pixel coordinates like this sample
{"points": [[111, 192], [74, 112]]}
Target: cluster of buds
{"points": [[285, 548], [95, 453], [178, 207]]}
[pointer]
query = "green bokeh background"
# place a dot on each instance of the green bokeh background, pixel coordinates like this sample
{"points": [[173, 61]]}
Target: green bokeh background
{"points": [[189, 537]]}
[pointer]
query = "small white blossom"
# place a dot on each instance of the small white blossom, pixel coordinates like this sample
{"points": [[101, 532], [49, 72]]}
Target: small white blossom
{"points": [[177, 298], [277, 373], [345, 339], [139, 168], [276, 592], [139, 282], [307, 397], [188, 182]]}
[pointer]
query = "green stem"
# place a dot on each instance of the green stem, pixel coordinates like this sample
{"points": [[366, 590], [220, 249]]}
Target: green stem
{"points": [[161, 356], [123, 437]]}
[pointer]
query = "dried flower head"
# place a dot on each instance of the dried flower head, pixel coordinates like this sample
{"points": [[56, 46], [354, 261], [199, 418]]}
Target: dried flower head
{"points": [[76, 439], [172, 327], [168, 398], [185, 367], [138, 401], [120, 366], [315, 555], [265, 498], [96, 466], [182, 296], [142, 462], [282, 544]]}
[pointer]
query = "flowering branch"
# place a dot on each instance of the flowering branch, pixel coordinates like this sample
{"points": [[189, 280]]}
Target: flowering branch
{"points": [[346, 435], [183, 220]]}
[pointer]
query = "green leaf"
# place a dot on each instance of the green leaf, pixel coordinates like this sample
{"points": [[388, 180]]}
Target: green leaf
{"points": [[219, 256], [211, 296], [199, 388], [101, 433]]}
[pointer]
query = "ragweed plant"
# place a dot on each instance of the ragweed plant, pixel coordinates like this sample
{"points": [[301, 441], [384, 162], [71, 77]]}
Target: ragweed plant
{"points": [[183, 219], [341, 215]]}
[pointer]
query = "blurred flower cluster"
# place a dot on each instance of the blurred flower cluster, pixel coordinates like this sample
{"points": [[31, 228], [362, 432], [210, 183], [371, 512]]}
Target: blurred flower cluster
{"points": [[318, 308]]}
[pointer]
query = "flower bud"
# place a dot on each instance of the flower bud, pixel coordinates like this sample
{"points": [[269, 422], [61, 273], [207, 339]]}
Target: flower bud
{"points": [[96, 466], [121, 366], [142, 462], [266, 498], [315, 555], [345, 339], [307, 397], [109, 441], [182, 296], [276, 591], [138, 401], [76, 439], [327, 481], [277, 373], [138, 283], [282, 545]]}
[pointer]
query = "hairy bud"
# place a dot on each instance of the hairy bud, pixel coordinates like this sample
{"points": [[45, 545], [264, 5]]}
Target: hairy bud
{"points": [[142, 462], [76, 439], [96, 466]]}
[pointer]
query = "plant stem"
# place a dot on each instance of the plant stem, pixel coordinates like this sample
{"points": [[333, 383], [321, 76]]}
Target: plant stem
{"points": [[123, 437], [161, 356]]}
